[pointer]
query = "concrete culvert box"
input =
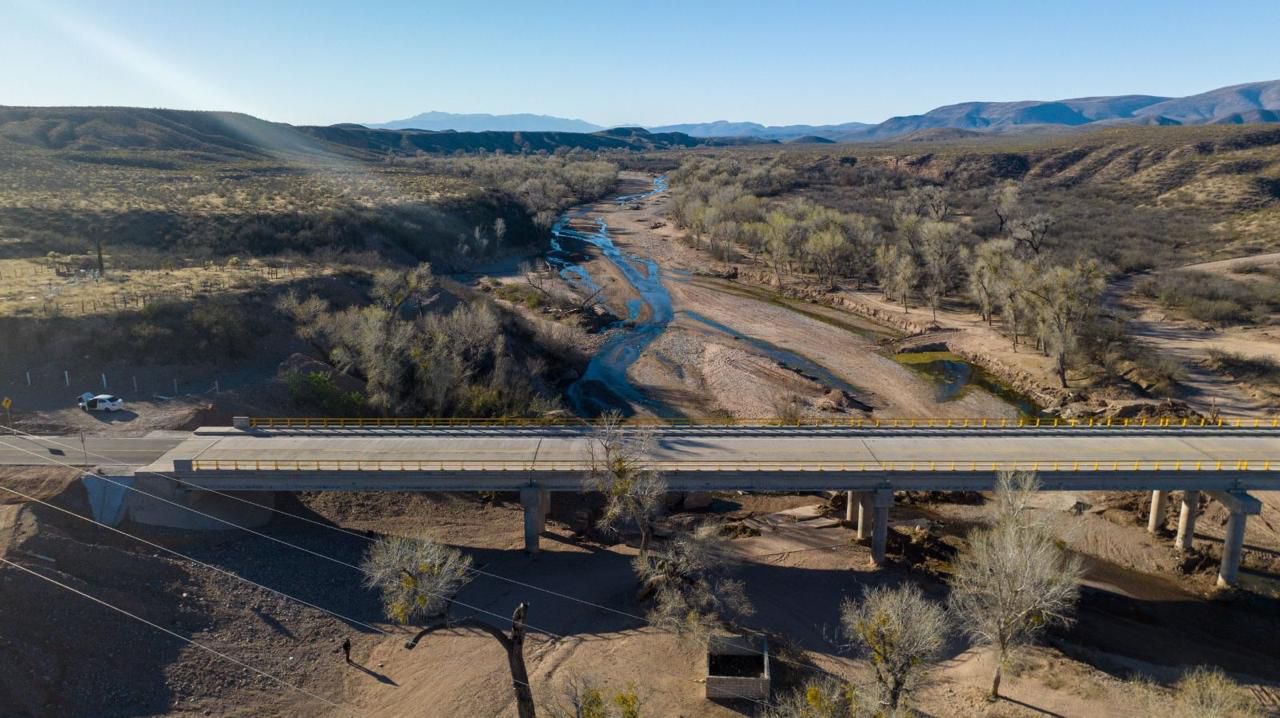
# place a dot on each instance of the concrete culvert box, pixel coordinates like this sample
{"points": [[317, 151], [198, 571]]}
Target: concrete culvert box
{"points": [[738, 668]]}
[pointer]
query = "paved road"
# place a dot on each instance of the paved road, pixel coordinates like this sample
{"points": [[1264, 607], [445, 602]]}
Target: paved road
{"points": [[52, 450]]}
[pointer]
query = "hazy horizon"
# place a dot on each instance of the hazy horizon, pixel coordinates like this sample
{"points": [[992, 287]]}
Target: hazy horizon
{"points": [[317, 63]]}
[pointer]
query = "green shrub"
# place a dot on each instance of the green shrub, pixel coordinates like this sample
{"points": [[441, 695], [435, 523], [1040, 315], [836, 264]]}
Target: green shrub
{"points": [[317, 391]]}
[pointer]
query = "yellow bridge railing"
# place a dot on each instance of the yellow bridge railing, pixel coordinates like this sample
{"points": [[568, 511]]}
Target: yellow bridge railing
{"points": [[722, 466], [1255, 422]]}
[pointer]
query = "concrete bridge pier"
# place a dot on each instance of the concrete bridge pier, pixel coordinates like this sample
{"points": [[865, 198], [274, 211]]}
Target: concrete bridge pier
{"points": [[1187, 519], [536, 502], [881, 502], [866, 510], [1241, 506], [1156, 520], [850, 511]]}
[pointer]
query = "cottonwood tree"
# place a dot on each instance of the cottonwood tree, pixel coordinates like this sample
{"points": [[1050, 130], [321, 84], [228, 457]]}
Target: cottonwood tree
{"points": [[1032, 233], [1014, 581], [1006, 201], [418, 580], [686, 580], [901, 632], [942, 258], [1066, 299], [830, 697], [987, 270], [633, 492], [393, 288], [898, 272], [827, 249]]}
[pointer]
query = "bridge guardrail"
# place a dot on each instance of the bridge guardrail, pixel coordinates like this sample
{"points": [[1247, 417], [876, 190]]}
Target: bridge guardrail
{"points": [[1242, 422], [720, 466]]}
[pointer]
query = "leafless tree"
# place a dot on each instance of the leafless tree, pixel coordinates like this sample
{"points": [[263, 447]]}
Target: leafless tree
{"points": [[633, 492], [392, 288], [1014, 581], [418, 580], [1006, 201], [942, 255], [686, 580], [1032, 233], [898, 272], [988, 269], [901, 631], [1066, 298]]}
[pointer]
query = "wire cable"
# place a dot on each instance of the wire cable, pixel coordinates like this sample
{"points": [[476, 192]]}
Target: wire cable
{"points": [[178, 636]]}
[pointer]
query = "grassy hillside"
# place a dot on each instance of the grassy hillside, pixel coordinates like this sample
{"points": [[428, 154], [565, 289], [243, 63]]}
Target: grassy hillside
{"points": [[1158, 195]]}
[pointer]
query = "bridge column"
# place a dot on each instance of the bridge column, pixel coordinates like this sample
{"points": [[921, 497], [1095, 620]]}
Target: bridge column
{"points": [[1232, 546], [850, 511], [866, 510], [535, 501], [1156, 521], [1187, 520], [880, 530]]}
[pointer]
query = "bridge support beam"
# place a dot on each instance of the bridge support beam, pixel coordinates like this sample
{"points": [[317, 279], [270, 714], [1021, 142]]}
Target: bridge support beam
{"points": [[880, 529], [535, 502], [1187, 520], [1155, 521], [866, 509]]}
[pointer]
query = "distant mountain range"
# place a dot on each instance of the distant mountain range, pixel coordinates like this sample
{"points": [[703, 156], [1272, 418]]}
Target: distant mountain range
{"points": [[441, 121], [1237, 104]]}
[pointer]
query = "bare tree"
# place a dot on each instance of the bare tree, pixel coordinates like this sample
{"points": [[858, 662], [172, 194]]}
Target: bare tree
{"points": [[686, 580], [418, 580], [942, 255], [1066, 298], [898, 272], [1006, 200], [633, 492], [1032, 233], [1014, 581], [902, 633], [988, 269], [392, 289]]}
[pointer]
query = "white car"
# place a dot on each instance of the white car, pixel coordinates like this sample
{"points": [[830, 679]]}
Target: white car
{"points": [[100, 402]]}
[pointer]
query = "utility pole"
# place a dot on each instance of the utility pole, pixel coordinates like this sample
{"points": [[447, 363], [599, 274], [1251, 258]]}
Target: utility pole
{"points": [[84, 449]]}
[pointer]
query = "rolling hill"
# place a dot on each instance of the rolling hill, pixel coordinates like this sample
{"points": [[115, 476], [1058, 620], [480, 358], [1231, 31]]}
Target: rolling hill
{"points": [[94, 132]]}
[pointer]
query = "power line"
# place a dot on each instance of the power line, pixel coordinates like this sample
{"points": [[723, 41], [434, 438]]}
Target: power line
{"points": [[196, 561], [179, 636], [326, 557], [356, 534], [268, 537]]}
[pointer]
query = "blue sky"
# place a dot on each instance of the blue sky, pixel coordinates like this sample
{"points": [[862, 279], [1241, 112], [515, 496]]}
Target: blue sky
{"points": [[320, 62]]}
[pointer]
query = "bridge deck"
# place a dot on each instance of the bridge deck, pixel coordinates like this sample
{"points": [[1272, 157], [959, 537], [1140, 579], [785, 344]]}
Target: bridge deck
{"points": [[503, 459]]}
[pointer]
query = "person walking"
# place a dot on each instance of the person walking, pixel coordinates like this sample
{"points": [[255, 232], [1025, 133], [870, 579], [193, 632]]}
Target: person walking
{"points": [[346, 649]]}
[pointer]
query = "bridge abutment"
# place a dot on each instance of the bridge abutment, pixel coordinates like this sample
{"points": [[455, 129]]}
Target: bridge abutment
{"points": [[536, 501]]}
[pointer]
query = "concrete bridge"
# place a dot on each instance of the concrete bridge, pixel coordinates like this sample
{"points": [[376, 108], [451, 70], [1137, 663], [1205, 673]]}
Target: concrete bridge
{"points": [[868, 461]]}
